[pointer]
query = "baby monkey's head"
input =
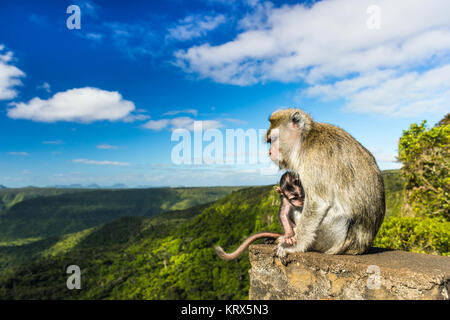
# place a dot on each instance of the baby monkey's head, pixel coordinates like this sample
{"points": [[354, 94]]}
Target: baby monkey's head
{"points": [[291, 189]]}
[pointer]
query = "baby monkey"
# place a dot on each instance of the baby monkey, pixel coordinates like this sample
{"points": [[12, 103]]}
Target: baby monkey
{"points": [[291, 198]]}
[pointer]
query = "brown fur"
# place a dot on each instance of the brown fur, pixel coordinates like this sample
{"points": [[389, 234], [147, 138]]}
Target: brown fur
{"points": [[345, 204]]}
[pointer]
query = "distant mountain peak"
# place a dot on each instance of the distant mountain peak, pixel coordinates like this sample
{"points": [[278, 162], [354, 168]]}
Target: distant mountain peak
{"points": [[91, 186]]}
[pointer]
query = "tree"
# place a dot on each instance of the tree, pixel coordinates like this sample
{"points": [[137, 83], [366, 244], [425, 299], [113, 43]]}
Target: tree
{"points": [[425, 155]]}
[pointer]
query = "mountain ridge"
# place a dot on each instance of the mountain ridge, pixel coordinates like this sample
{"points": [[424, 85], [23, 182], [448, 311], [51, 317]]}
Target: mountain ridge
{"points": [[167, 256], [69, 212]]}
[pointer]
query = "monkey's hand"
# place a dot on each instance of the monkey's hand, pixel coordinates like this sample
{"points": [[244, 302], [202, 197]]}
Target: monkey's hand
{"points": [[290, 240]]}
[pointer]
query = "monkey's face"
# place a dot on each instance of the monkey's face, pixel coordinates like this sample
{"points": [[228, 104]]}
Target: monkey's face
{"points": [[273, 140], [293, 195], [284, 135], [281, 140]]}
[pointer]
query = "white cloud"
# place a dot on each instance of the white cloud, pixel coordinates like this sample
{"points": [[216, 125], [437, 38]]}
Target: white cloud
{"points": [[135, 117], [195, 26], [390, 92], [235, 121], [409, 94], [9, 75], [83, 105], [385, 159], [102, 163], [156, 124], [106, 146], [194, 112], [45, 86], [257, 17], [347, 87], [18, 153], [94, 36], [181, 123], [329, 41]]}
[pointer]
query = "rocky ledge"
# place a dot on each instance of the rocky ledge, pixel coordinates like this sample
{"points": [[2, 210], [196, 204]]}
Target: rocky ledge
{"points": [[378, 274]]}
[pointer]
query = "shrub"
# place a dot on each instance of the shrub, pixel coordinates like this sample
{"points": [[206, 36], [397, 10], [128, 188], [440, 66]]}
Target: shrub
{"points": [[425, 155], [416, 234]]}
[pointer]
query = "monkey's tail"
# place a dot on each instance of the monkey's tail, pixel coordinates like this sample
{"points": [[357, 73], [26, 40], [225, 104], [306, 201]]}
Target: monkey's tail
{"points": [[230, 256]]}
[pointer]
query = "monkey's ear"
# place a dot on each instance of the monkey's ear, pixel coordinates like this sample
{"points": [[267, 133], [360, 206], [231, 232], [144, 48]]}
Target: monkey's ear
{"points": [[297, 120], [277, 189], [300, 120]]}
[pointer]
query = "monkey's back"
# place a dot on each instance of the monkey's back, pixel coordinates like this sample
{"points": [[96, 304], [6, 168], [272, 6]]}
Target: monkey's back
{"points": [[329, 153]]}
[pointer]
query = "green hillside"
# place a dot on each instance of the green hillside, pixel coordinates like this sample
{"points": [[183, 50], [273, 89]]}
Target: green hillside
{"points": [[69, 212], [167, 256], [170, 255], [10, 197]]}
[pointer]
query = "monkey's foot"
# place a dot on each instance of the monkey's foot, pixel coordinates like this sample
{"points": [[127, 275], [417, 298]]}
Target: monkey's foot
{"points": [[283, 249], [281, 252]]}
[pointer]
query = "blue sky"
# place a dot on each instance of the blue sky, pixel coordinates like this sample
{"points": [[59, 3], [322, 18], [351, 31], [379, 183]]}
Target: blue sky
{"points": [[99, 104]]}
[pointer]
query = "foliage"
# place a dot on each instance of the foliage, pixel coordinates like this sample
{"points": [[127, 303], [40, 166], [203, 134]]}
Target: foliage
{"points": [[425, 155], [11, 196], [394, 191], [445, 120], [416, 234], [67, 242], [170, 255]]}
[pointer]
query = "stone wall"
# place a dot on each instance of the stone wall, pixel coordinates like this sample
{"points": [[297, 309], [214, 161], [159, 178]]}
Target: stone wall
{"points": [[379, 274]]}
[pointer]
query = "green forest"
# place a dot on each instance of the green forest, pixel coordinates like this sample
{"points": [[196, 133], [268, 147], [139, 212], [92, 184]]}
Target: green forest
{"points": [[158, 243]]}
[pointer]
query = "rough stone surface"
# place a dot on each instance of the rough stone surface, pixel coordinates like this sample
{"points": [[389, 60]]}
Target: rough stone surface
{"points": [[378, 274]]}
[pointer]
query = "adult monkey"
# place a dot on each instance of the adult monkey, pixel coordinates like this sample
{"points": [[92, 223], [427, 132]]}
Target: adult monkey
{"points": [[344, 191]]}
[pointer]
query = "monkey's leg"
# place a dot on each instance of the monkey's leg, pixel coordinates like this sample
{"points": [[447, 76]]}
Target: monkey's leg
{"points": [[286, 238], [306, 229], [294, 217], [287, 224]]}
